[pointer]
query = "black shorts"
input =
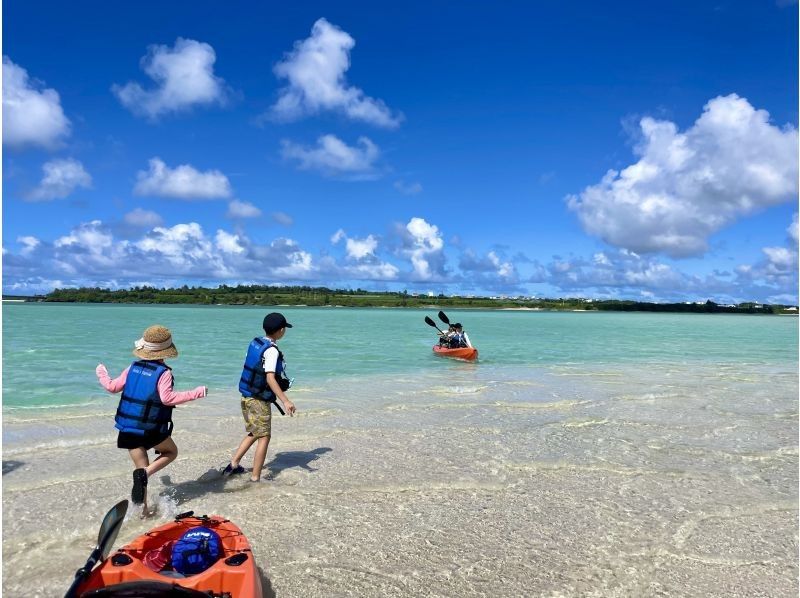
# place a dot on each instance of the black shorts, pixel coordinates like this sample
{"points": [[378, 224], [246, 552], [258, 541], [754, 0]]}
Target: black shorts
{"points": [[126, 440]]}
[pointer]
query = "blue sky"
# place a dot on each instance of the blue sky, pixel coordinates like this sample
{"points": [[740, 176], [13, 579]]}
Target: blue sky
{"points": [[645, 151]]}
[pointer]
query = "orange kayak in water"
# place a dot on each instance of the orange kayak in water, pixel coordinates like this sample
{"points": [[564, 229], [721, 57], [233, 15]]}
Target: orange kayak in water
{"points": [[466, 353], [133, 570]]}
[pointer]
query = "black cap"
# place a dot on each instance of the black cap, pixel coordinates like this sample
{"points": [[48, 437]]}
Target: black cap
{"points": [[274, 322], [457, 325]]}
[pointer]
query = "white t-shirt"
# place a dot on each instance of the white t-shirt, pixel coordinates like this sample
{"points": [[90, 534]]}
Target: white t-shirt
{"points": [[271, 358]]}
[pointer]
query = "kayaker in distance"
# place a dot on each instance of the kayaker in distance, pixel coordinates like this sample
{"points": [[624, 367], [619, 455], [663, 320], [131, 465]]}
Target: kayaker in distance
{"points": [[459, 338], [454, 342], [454, 338], [445, 337]]}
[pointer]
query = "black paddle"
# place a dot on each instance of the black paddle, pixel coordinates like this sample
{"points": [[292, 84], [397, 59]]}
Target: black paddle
{"points": [[430, 322], [105, 540]]}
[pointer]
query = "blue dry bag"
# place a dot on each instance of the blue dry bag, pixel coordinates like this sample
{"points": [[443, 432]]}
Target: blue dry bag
{"points": [[196, 551]]}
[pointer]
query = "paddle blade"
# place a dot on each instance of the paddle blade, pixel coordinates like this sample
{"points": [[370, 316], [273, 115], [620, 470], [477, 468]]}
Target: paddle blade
{"points": [[110, 527], [443, 317], [430, 322], [105, 540]]}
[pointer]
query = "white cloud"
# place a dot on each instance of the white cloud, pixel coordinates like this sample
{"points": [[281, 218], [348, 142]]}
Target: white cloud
{"points": [[601, 259], [489, 268], [332, 156], [778, 267], [88, 247], [504, 269], [282, 218], [300, 263], [686, 186], [782, 258], [408, 189], [182, 182], [142, 218], [615, 273], [360, 248], [362, 261], [792, 230], [29, 244], [315, 72], [357, 249], [184, 77], [61, 178], [228, 243], [626, 274], [371, 271], [89, 236], [31, 116], [424, 246], [242, 209], [90, 255], [177, 243]]}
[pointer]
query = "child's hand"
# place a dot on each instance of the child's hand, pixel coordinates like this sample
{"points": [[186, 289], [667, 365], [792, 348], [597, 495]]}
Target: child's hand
{"points": [[100, 369], [289, 407]]}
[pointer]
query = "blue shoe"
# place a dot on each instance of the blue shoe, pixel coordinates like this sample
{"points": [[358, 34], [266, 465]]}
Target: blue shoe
{"points": [[230, 470]]}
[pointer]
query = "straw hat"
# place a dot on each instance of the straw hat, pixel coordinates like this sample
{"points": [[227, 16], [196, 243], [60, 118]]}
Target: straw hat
{"points": [[156, 343]]}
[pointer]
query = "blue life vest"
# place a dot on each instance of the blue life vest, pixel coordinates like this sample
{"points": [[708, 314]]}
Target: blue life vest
{"points": [[140, 409], [196, 551], [253, 382]]}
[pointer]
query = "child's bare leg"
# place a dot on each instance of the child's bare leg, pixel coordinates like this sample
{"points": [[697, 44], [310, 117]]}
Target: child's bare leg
{"points": [[244, 446], [260, 457], [139, 458], [168, 450]]}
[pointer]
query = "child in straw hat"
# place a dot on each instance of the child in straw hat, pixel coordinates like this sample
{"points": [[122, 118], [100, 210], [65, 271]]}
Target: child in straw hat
{"points": [[144, 414]]}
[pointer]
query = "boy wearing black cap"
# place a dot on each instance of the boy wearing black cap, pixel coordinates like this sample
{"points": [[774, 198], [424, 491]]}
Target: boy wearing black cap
{"points": [[262, 383]]}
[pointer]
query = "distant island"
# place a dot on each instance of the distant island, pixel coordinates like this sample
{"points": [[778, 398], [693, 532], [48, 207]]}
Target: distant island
{"points": [[323, 296]]}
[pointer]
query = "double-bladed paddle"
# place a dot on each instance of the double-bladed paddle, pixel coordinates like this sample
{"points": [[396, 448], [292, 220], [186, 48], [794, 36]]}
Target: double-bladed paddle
{"points": [[105, 540], [430, 322]]}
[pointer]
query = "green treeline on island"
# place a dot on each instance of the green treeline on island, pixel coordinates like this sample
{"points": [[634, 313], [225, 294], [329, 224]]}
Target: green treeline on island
{"points": [[322, 296]]}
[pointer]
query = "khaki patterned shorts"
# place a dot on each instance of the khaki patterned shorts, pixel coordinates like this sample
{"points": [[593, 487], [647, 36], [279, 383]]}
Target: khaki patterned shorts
{"points": [[257, 417]]}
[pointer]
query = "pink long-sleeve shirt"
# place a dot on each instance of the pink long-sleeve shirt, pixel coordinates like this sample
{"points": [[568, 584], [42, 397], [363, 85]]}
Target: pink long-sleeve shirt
{"points": [[166, 393]]}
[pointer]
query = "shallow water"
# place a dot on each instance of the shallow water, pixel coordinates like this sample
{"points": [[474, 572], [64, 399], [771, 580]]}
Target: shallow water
{"points": [[541, 470]]}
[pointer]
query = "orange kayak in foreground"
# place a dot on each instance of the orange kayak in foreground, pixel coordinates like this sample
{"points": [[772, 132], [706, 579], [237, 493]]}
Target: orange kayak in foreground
{"points": [[125, 573], [466, 353]]}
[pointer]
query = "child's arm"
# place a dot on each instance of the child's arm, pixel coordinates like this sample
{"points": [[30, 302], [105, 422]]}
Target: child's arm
{"points": [[168, 395], [115, 385], [275, 387]]}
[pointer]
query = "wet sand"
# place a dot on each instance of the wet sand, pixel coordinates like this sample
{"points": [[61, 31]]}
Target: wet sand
{"points": [[560, 481]]}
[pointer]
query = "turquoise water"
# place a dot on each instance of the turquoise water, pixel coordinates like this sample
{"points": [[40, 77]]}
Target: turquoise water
{"points": [[585, 454], [50, 351]]}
